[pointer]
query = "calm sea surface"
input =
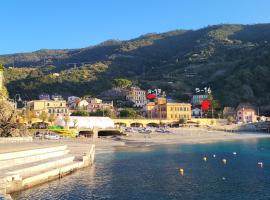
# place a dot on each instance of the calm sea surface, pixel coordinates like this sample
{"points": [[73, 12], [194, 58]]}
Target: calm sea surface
{"points": [[153, 173]]}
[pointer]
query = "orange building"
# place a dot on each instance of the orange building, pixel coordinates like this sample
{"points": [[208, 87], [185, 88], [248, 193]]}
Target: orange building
{"points": [[162, 109]]}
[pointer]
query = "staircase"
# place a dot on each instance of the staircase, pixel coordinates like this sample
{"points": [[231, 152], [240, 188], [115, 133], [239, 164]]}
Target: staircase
{"points": [[23, 169]]}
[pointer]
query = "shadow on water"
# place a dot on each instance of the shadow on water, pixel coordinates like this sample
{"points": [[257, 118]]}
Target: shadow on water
{"points": [[153, 173]]}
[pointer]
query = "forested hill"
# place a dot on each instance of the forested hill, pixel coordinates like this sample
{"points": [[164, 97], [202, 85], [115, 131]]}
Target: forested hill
{"points": [[234, 60]]}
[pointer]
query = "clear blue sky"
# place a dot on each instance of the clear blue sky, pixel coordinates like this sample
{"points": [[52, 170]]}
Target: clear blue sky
{"points": [[29, 25]]}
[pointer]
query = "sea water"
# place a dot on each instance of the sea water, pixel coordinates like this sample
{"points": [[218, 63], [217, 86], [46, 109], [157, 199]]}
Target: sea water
{"points": [[152, 173]]}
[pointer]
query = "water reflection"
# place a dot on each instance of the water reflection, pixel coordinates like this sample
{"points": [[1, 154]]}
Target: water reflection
{"points": [[154, 174]]}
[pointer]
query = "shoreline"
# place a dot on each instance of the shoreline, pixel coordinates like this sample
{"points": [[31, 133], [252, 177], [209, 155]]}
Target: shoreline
{"points": [[176, 137]]}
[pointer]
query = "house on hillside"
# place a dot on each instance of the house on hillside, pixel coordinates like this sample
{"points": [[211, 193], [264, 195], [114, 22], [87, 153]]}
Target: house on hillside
{"points": [[245, 113]]}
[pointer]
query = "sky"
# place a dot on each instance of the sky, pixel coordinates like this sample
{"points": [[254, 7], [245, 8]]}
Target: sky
{"points": [[29, 25]]}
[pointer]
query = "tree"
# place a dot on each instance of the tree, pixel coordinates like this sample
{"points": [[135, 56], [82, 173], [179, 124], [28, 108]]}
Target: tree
{"points": [[130, 113], [214, 104], [104, 113], [52, 118], [66, 120], [122, 83], [75, 122], [7, 118], [230, 119], [182, 121], [43, 116], [80, 113], [29, 116]]}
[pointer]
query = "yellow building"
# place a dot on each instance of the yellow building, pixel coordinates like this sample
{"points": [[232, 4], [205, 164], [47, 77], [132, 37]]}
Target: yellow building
{"points": [[162, 109], [49, 106]]}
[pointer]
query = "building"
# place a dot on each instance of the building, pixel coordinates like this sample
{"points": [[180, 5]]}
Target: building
{"points": [[229, 111], [82, 105], [95, 104], [44, 96], [57, 97], [162, 109], [137, 96], [197, 112], [58, 108], [245, 113], [86, 122], [197, 99]]}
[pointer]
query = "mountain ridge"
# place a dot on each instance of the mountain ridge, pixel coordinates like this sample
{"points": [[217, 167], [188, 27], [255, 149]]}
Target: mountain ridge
{"points": [[233, 59]]}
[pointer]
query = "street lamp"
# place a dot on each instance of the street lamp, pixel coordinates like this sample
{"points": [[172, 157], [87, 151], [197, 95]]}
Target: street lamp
{"points": [[15, 99]]}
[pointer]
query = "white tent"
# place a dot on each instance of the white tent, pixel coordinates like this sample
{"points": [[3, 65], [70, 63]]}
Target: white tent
{"points": [[86, 122]]}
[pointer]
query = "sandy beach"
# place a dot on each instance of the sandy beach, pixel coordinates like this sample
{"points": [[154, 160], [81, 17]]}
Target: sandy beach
{"points": [[80, 145]]}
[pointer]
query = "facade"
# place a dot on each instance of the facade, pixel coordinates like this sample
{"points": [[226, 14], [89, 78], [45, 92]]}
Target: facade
{"points": [[57, 108], [197, 99], [245, 114], [228, 111], [44, 96], [162, 109], [82, 105], [137, 96], [86, 122], [197, 112], [95, 104]]}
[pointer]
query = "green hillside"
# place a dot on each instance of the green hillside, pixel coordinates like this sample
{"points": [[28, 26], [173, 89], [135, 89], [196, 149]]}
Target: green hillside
{"points": [[234, 60]]}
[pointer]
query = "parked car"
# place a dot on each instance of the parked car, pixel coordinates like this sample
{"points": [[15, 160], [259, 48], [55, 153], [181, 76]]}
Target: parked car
{"points": [[52, 137]]}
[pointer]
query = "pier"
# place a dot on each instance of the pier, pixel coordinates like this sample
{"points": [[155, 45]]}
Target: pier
{"points": [[28, 167]]}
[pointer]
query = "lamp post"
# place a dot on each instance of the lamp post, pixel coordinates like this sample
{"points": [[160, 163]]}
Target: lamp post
{"points": [[15, 100]]}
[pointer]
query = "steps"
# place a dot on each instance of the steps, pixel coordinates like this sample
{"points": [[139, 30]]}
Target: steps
{"points": [[23, 169]]}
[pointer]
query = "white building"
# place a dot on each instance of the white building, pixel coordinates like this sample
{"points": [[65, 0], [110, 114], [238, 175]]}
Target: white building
{"points": [[86, 122], [137, 96]]}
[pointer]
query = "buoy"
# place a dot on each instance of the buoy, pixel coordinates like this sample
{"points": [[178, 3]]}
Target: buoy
{"points": [[234, 153], [224, 161], [260, 164], [181, 170], [205, 158], [223, 178], [214, 155]]}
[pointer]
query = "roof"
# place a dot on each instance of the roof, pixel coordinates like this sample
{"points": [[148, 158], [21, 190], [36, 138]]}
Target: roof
{"points": [[245, 106]]}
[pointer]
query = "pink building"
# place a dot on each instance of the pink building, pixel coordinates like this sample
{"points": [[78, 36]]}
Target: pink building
{"points": [[245, 114]]}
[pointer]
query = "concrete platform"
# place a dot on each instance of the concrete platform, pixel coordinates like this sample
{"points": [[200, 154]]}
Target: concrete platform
{"points": [[26, 166]]}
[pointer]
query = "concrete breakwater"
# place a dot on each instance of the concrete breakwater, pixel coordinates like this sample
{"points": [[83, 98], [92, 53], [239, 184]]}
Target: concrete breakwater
{"points": [[23, 169]]}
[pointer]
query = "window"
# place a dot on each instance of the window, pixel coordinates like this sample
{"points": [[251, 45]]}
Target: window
{"points": [[171, 116]]}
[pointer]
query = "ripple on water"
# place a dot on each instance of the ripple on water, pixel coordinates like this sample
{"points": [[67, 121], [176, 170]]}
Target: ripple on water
{"points": [[154, 174]]}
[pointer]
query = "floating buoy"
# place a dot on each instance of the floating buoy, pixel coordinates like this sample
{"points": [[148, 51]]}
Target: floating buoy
{"points": [[181, 171], [260, 164], [224, 161], [205, 158], [234, 153], [214, 155], [223, 178]]}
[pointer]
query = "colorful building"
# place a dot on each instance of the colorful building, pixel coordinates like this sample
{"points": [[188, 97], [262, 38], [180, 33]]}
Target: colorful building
{"points": [[137, 96], [58, 108], [245, 113], [162, 109], [197, 99], [95, 104]]}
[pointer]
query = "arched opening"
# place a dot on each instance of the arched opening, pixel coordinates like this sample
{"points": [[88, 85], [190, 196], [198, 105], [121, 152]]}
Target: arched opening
{"points": [[136, 124], [86, 133], [103, 133], [152, 124], [120, 124]]}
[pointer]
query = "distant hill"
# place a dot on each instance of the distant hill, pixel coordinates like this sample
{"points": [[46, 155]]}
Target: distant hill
{"points": [[234, 60]]}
